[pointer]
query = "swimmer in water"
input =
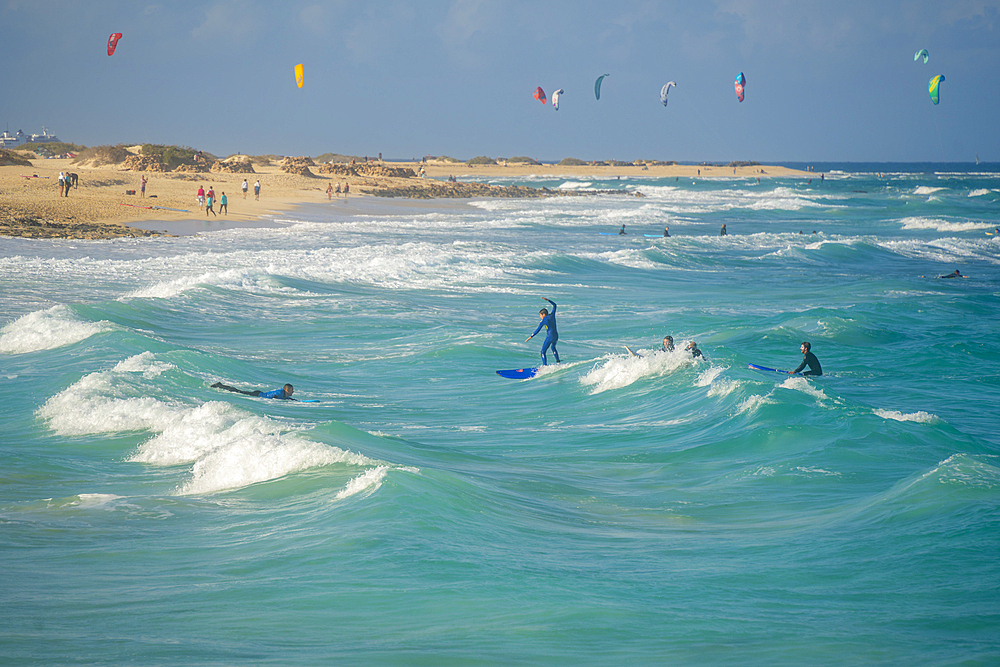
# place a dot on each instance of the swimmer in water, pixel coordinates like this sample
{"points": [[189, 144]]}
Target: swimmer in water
{"points": [[283, 393], [808, 359]]}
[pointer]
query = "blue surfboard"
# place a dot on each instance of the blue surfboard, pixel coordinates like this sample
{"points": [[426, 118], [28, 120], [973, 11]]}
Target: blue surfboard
{"points": [[770, 370], [518, 373]]}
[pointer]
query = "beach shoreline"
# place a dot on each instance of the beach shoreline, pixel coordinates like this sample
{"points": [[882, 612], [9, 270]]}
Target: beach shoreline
{"points": [[100, 207]]}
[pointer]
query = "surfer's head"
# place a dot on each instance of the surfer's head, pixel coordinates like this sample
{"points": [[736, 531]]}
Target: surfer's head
{"points": [[289, 389], [543, 313], [692, 345], [806, 347]]}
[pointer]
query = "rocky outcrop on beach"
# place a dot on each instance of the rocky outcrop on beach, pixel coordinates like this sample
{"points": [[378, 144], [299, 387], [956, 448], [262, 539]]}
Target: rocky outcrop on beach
{"points": [[143, 163], [233, 166], [436, 189], [373, 169], [13, 223], [297, 165], [200, 168]]}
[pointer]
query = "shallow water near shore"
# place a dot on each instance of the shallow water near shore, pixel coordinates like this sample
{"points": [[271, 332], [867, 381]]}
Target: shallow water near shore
{"points": [[649, 510]]}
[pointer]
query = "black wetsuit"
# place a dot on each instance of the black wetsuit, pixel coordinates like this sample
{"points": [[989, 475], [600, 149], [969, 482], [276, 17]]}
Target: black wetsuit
{"points": [[276, 393], [813, 363]]}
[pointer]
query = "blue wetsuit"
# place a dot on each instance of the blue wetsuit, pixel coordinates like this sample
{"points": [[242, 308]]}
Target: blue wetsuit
{"points": [[277, 393], [549, 322]]}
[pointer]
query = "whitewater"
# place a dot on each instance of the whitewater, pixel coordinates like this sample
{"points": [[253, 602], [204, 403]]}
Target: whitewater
{"points": [[643, 509]]}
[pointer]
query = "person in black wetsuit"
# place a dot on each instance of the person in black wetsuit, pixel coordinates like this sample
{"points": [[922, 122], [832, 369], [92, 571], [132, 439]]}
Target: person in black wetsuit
{"points": [[723, 232], [283, 393], [692, 347], [548, 320], [956, 274], [809, 359], [668, 344]]}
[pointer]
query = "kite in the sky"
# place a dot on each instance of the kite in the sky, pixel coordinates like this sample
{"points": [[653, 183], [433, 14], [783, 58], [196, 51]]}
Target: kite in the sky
{"points": [[555, 99], [540, 95], [932, 88], [921, 53], [597, 85], [299, 75], [665, 90], [740, 82], [113, 42]]}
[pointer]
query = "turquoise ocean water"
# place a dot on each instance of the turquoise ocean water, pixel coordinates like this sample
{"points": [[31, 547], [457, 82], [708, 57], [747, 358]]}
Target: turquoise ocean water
{"points": [[615, 509]]}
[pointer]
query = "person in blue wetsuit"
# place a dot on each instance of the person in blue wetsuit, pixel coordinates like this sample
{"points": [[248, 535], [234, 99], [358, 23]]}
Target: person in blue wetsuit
{"points": [[548, 320], [283, 393]]}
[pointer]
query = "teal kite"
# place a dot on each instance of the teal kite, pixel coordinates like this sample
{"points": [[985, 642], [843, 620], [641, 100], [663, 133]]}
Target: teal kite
{"points": [[921, 53], [597, 85], [932, 88]]}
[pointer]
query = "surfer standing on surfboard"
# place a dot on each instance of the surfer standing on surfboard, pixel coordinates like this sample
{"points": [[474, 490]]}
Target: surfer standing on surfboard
{"points": [[548, 320], [809, 359]]}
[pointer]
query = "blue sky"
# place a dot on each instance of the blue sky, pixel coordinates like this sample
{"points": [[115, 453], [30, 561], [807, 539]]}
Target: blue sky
{"points": [[826, 81]]}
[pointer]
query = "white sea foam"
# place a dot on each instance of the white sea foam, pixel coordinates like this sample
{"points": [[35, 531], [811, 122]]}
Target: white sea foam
{"points": [[46, 330], [943, 225], [575, 185], [227, 447], [619, 371], [980, 192], [922, 417], [752, 403], [927, 190], [370, 479]]}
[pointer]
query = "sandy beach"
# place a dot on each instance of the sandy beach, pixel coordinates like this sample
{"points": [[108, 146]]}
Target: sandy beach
{"points": [[100, 208]]}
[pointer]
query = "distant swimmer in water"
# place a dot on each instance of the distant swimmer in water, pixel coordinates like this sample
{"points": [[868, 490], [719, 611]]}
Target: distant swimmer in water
{"points": [[283, 393], [548, 320], [809, 359], [666, 231], [956, 274], [668, 344], [723, 232], [621, 231], [692, 347]]}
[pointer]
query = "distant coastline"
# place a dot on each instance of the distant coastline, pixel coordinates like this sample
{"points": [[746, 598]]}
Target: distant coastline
{"points": [[99, 207]]}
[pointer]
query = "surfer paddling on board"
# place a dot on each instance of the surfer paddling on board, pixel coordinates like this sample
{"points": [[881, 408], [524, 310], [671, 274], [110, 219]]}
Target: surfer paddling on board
{"points": [[956, 274], [283, 393], [548, 320], [808, 359]]}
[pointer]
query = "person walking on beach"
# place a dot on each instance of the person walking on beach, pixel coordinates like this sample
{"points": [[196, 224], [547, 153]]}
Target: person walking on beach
{"points": [[223, 204], [256, 190], [338, 190], [62, 183], [808, 359], [329, 191], [142, 186], [208, 207], [201, 196], [347, 189], [245, 187], [548, 320]]}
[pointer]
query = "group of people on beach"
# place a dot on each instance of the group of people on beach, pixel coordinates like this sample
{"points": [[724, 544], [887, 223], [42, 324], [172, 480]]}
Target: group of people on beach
{"points": [[206, 200], [330, 190], [66, 181], [256, 189]]}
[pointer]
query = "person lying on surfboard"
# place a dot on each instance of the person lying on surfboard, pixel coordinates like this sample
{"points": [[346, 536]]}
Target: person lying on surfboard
{"points": [[808, 359], [548, 320], [283, 393]]}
